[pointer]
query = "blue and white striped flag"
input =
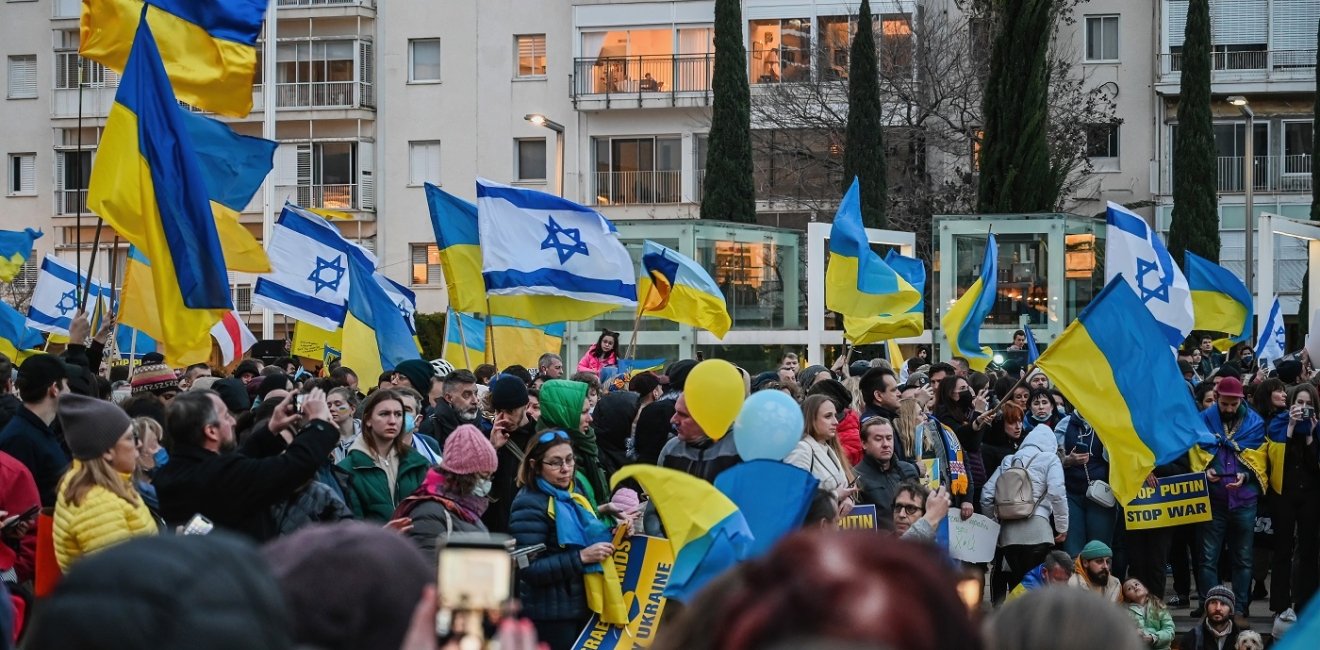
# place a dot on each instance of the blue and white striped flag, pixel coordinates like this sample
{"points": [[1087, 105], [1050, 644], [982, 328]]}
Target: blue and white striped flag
{"points": [[55, 298], [309, 275], [546, 259], [1135, 251], [1270, 339]]}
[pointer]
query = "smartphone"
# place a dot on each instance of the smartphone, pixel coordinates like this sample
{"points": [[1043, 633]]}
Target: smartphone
{"points": [[299, 400], [475, 572], [26, 516], [198, 525], [1307, 412]]}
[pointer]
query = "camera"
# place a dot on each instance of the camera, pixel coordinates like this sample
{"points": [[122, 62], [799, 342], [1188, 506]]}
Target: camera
{"points": [[1308, 412]]}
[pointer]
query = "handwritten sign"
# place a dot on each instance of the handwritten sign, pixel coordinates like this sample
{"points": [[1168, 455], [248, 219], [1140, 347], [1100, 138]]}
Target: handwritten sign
{"points": [[972, 540], [860, 518], [1175, 500], [644, 565]]}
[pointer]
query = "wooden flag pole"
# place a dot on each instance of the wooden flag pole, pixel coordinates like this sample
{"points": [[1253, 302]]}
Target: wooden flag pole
{"points": [[490, 335], [637, 322]]}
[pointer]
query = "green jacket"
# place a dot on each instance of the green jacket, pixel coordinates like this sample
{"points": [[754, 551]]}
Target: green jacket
{"points": [[369, 492], [1154, 620]]}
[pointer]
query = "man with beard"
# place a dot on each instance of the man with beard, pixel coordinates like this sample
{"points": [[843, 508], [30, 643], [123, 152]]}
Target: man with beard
{"points": [[511, 429], [236, 489], [1092, 571], [1218, 631], [457, 405], [1234, 464]]}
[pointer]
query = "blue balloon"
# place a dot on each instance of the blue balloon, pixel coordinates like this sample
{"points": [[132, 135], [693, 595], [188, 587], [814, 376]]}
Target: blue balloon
{"points": [[768, 426]]}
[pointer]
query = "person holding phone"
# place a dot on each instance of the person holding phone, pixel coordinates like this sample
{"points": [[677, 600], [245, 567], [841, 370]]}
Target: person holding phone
{"points": [[820, 453], [98, 504], [1295, 501]]}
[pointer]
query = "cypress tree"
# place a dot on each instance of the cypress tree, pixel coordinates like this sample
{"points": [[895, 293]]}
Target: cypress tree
{"points": [[729, 193], [1195, 221], [1016, 172], [864, 147]]}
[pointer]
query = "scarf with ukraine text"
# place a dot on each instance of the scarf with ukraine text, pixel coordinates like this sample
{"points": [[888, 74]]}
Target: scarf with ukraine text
{"points": [[577, 527]]}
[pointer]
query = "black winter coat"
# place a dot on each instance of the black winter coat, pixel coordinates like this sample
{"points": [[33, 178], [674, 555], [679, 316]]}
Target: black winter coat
{"points": [[550, 587]]}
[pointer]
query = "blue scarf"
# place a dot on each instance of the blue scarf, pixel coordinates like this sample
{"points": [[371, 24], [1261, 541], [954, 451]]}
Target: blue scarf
{"points": [[1250, 432], [575, 525]]}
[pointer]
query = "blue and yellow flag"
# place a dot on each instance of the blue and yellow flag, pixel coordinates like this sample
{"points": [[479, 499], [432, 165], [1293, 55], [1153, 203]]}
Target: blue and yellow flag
{"points": [[377, 334], [149, 185], [857, 281], [1033, 352], [1113, 363], [675, 287], [708, 532], [1220, 301], [873, 329], [234, 166], [465, 340], [16, 338], [133, 343], [209, 49], [455, 224], [516, 341], [313, 342], [962, 322], [15, 249]]}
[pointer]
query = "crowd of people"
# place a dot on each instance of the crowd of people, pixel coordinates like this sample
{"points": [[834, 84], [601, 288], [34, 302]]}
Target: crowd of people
{"points": [[329, 499]]}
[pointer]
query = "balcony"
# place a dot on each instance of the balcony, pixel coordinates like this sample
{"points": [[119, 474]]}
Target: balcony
{"points": [[1272, 175], [323, 3], [71, 202], [319, 94], [639, 187], [1246, 67], [643, 81]]}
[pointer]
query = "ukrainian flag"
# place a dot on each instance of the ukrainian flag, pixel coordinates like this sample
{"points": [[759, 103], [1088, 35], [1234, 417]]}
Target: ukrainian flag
{"points": [[708, 532], [209, 49], [148, 184], [677, 288], [456, 235], [465, 340], [313, 342], [16, 338], [15, 249], [521, 342], [1113, 363], [872, 329], [377, 336], [133, 343], [962, 323], [857, 281], [1220, 301], [234, 167]]}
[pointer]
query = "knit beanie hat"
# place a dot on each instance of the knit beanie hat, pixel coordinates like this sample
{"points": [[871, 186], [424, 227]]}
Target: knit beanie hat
{"points": [[156, 377], [1223, 593], [467, 451], [1094, 550], [1290, 371], [807, 378], [91, 426], [507, 393], [418, 372], [678, 372], [626, 500], [233, 393]]}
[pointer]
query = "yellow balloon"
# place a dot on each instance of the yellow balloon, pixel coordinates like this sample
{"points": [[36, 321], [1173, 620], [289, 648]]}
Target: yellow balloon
{"points": [[714, 395]]}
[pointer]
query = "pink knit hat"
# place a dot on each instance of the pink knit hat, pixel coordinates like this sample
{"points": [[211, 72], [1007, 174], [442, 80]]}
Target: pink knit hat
{"points": [[467, 451]]}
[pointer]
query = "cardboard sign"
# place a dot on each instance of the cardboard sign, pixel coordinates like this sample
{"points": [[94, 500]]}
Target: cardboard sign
{"points": [[860, 518], [644, 564], [1175, 500], [972, 540]]}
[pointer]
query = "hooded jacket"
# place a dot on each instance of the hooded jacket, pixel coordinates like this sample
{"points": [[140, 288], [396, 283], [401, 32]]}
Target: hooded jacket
{"points": [[613, 422], [102, 519], [561, 408], [1155, 621], [1037, 454], [591, 363]]}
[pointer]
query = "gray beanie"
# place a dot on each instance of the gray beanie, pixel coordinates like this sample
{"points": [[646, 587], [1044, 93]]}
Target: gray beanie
{"points": [[91, 426]]}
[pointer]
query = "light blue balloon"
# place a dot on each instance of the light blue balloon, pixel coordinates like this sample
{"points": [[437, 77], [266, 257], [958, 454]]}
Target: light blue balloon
{"points": [[768, 426]]}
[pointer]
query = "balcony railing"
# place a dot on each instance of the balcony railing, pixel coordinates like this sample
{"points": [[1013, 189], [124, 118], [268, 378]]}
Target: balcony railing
{"points": [[69, 202], [1271, 174], [639, 188], [335, 197], [643, 75], [1287, 64], [322, 94], [324, 3]]}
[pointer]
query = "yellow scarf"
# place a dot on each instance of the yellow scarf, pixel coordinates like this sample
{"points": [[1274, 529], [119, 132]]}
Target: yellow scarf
{"points": [[604, 589]]}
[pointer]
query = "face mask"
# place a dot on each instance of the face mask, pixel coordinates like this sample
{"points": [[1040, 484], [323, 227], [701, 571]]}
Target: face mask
{"points": [[408, 421], [161, 457], [965, 399], [482, 489]]}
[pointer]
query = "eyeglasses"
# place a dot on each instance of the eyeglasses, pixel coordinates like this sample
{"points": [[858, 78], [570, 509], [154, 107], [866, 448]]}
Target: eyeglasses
{"points": [[560, 463], [907, 509], [552, 435]]}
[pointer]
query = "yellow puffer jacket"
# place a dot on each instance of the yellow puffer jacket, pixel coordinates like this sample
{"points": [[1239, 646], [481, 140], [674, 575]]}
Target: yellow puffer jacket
{"points": [[102, 519]]}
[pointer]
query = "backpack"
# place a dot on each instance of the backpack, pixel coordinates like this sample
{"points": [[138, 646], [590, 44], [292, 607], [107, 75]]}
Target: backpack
{"points": [[1013, 494]]}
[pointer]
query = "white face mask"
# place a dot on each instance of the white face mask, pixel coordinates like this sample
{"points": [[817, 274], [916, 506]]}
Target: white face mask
{"points": [[482, 489]]}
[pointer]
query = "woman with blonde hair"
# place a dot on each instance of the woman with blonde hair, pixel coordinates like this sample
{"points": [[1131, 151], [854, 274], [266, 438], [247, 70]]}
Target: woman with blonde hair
{"points": [[911, 419], [98, 505], [820, 453]]}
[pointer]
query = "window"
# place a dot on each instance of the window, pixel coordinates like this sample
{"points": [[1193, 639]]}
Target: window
{"points": [[424, 60], [424, 162], [22, 174], [1101, 38], [531, 55], [1297, 145], [426, 265], [22, 79], [531, 159], [73, 171], [893, 39], [780, 50], [641, 170], [1102, 141], [322, 73], [242, 297]]}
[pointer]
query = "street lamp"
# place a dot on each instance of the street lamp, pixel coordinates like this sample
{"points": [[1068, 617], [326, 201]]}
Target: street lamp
{"points": [[541, 120], [1249, 180]]}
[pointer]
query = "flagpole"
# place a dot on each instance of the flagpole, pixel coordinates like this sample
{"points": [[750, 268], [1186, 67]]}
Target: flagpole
{"points": [[91, 264], [268, 89], [637, 321], [490, 335]]}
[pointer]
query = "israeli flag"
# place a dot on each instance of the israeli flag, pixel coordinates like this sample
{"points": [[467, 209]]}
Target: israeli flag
{"points": [[309, 276], [403, 298], [55, 298], [1270, 338], [1134, 251], [538, 244]]}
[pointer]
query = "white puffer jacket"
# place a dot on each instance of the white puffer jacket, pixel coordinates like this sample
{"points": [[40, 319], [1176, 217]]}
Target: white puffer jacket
{"points": [[1046, 477]]}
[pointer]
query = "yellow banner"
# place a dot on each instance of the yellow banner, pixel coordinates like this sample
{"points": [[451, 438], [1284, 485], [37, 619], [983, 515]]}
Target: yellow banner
{"points": [[311, 341], [644, 564], [861, 517], [1175, 500]]}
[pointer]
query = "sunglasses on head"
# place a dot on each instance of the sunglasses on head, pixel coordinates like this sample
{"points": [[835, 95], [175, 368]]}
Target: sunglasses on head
{"points": [[552, 435]]}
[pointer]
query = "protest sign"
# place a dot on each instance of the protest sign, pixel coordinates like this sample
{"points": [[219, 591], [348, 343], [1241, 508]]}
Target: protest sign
{"points": [[1175, 500], [974, 539], [860, 518], [645, 564]]}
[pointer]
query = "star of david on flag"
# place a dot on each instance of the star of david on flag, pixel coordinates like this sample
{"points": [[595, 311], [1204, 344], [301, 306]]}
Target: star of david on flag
{"points": [[566, 250], [336, 273], [55, 298], [1270, 344], [1134, 251]]}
